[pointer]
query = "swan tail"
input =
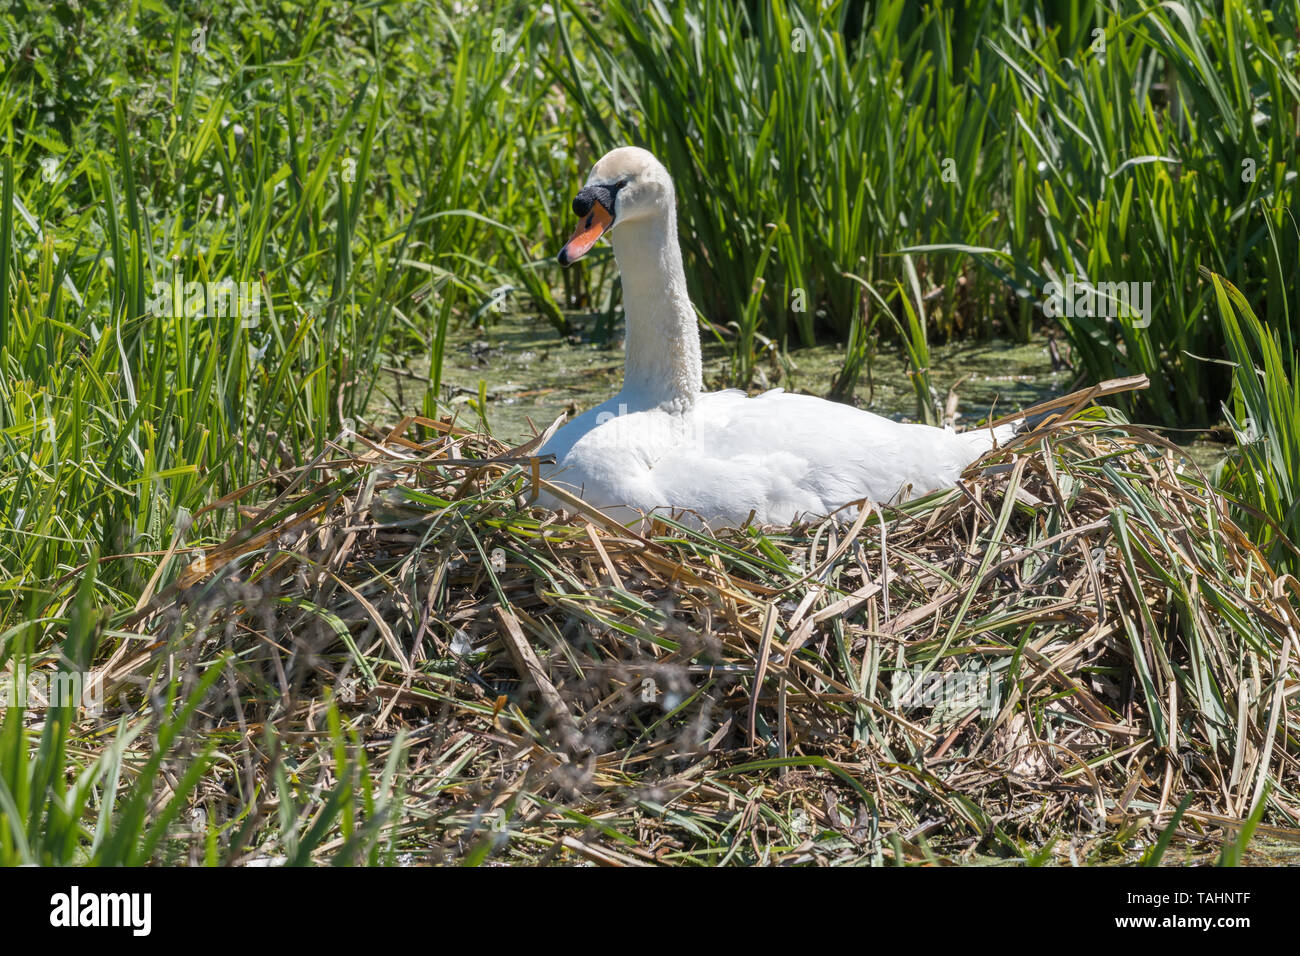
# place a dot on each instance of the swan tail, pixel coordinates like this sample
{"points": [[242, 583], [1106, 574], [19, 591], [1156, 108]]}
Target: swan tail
{"points": [[985, 439]]}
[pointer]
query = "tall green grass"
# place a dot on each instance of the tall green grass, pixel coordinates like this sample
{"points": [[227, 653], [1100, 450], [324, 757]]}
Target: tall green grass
{"points": [[1264, 471], [1005, 145], [1164, 143], [305, 152], [837, 138], [317, 164]]}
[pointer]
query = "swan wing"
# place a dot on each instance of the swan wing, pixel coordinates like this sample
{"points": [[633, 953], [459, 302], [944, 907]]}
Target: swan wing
{"points": [[783, 455]]}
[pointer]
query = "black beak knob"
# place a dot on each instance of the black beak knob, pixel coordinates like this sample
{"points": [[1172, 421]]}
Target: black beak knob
{"points": [[588, 195], [605, 195]]}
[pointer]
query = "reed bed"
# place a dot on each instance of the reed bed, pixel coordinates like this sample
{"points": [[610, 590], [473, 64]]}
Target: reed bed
{"points": [[1074, 655]]}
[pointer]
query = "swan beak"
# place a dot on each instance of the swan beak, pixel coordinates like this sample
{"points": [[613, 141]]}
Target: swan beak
{"points": [[591, 228]]}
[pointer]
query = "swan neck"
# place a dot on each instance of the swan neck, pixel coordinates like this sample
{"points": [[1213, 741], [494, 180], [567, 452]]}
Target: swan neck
{"points": [[663, 364]]}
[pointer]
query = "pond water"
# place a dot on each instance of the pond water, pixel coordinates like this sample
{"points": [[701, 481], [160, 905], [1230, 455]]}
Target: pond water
{"points": [[532, 375]]}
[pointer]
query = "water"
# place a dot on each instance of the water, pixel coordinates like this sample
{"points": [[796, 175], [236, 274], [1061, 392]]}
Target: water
{"points": [[532, 376], [531, 373]]}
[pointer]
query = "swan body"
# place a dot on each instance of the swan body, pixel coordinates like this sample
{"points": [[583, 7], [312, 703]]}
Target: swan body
{"points": [[723, 458]]}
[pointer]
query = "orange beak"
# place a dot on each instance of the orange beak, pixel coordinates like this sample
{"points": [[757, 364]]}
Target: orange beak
{"points": [[591, 228]]}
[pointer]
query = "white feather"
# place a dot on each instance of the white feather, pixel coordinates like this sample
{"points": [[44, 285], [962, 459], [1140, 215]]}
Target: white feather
{"points": [[663, 443]]}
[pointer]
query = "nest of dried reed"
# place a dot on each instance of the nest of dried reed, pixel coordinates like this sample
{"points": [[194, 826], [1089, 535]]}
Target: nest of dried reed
{"points": [[1076, 642]]}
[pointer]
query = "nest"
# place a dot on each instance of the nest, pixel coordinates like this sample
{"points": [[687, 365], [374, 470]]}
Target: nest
{"points": [[1076, 642]]}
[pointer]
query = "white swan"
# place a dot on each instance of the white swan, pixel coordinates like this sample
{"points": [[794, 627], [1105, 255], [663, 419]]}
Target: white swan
{"points": [[663, 443]]}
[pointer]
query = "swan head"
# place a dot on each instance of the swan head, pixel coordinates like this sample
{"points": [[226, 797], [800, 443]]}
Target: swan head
{"points": [[625, 185]]}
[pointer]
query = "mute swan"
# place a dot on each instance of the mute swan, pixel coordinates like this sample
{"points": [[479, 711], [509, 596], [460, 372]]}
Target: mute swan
{"points": [[662, 443]]}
